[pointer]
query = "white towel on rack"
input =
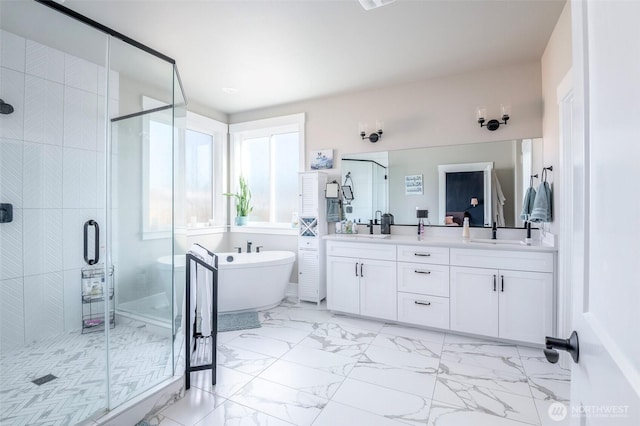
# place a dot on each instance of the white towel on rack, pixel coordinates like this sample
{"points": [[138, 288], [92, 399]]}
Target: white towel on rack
{"points": [[201, 288]]}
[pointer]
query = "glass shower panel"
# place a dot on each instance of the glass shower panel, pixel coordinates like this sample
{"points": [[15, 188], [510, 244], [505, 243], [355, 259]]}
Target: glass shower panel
{"points": [[54, 296], [141, 215]]}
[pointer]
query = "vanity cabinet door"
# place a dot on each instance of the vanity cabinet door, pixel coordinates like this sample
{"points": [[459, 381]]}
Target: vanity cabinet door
{"points": [[343, 284], [526, 305], [378, 292], [474, 300]]}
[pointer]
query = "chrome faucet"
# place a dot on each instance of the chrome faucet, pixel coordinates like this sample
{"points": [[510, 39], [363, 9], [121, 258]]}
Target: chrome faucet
{"points": [[370, 226], [494, 231], [248, 246]]}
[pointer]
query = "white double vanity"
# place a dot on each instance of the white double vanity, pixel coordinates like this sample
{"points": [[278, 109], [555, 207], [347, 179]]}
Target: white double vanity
{"points": [[496, 290]]}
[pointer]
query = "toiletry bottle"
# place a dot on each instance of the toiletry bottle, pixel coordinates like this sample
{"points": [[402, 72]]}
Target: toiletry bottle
{"points": [[466, 235], [420, 228], [528, 240]]}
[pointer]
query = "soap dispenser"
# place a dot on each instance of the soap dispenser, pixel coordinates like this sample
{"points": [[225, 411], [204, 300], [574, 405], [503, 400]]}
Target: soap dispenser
{"points": [[466, 234]]}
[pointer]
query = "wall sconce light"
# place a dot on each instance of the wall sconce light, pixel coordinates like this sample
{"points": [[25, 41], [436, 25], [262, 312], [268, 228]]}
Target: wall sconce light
{"points": [[493, 124], [474, 202], [373, 137]]}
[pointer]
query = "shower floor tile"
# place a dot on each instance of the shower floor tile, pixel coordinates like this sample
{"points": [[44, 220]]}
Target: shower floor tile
{"points": [[138, 358]]}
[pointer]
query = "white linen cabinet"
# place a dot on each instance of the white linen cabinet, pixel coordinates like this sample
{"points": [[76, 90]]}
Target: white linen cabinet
{"points": [[312, 225]]}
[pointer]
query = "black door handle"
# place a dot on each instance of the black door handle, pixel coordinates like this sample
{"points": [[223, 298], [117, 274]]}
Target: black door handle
{"points": [[96, 252], [570, 345]]}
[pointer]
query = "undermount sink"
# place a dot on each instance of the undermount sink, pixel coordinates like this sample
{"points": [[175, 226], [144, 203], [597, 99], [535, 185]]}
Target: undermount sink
{"points": [[490, 241], [372, 236]]}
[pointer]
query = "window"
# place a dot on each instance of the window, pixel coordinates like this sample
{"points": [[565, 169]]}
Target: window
{"points": [[205, 156], [203, 162], [269, 154]]}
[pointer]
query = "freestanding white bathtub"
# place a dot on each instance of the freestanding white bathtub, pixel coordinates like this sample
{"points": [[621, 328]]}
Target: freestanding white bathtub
{"points": [[248, 281]]}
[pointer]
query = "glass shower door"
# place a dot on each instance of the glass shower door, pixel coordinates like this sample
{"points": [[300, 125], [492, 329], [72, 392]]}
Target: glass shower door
{"points": [[53, 363]]}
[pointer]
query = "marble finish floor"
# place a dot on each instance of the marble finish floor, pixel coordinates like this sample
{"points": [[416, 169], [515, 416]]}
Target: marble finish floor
{"points": [[308, 366]]}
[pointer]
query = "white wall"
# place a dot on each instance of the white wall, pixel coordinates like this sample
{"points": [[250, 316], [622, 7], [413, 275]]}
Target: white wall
{"points": [[555, 64]]}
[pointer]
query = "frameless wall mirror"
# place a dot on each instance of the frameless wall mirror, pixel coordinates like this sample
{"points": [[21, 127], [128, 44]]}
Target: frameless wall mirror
{"points": [[514, 161]]}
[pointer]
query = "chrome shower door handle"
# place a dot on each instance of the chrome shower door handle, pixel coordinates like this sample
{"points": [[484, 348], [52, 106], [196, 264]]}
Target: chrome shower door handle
{"points": [[96, 240]]}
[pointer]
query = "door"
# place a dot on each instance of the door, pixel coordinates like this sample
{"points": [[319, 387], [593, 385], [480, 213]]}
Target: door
{"points": [[308, 275], [343, 284], [525, 305], [378, 290], [474, 300], [308, 184], [605, 384]]}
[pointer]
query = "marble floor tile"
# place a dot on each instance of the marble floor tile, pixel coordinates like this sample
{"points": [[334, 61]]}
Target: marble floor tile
{"points": [[193, 407], [306, 379], [551, 386], [452, 338], [345, 332], [262, 344], [321, 360], [485, 377], [227, 336], [232, 414], [362, 323], [280, 332], [534, 366], [287, 404], [413, 382], [336, 345], [413, 333], [245, 361], [228, 381], [335, 414], [442, 414], [406, 344], [504, 358], [389, 403], [401, 359], [476, 398]]}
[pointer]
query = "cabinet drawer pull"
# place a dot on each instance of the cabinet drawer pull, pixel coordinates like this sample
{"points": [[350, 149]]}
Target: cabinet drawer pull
{"points": [[501, 282], [361, 265], [356, 269], [494, 283], [422, 254], [418, 271], [420, 302]]}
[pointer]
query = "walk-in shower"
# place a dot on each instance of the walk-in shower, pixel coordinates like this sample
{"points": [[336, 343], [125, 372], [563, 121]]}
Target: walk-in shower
{"points": [[90, 136]]}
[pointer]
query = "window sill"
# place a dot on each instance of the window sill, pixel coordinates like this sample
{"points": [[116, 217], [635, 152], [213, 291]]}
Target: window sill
{"points": [[254, 228], [206, 230]]}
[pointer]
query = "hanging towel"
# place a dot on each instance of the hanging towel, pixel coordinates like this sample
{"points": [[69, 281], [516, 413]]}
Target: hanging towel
{"points": [[497, 199], [527, 204], [542, 208], [334, 210], [201, 289]]}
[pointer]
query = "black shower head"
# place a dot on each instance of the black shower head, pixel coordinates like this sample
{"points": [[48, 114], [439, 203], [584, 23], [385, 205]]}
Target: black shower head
{"points": [[5, 108]]}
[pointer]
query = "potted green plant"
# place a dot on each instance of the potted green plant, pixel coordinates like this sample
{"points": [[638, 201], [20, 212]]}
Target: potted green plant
{"points": [[243, 202]]}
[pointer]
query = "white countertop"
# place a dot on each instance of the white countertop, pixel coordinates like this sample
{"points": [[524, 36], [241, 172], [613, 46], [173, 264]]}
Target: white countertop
{"points": [[474, 243]]}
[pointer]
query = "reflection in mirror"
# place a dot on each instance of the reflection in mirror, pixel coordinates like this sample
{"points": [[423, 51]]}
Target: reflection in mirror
{"points": [[364, 179], [513, 161]]}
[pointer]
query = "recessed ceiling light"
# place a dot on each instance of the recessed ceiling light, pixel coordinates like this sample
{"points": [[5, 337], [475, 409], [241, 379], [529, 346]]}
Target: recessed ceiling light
{"points": [[230, 90], [372, 4]]}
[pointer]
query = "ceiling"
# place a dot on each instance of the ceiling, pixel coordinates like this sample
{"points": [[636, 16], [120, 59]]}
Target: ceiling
{"points": [[275, 51]]}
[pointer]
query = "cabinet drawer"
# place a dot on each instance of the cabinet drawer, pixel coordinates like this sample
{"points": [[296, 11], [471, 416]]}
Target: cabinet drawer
{"points": [[362, 250], [500, 259], [423, 254], [423, 279], [308, 243], [418, 309]]}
